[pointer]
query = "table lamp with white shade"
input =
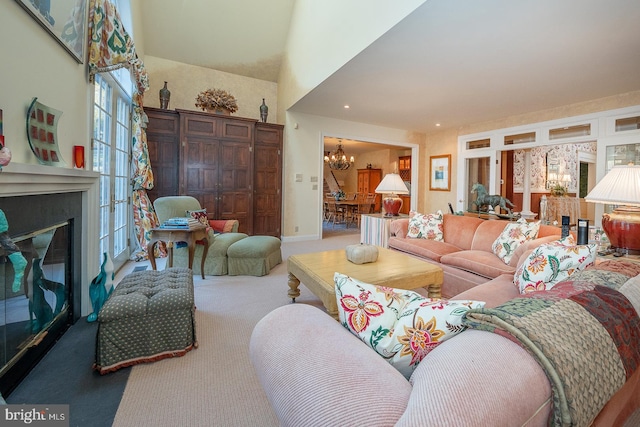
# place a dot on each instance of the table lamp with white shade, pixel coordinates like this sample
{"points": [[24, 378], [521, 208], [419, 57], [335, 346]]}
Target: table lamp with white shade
{"points": [[392, 185], [621, 187]]}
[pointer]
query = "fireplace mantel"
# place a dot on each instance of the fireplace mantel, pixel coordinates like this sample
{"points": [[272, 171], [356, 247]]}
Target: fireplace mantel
{"points": [[35, 200], [19, 179]]}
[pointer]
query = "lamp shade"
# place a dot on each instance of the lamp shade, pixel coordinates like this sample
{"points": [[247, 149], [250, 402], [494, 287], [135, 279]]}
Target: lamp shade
{"points": [[392, 183], [621, 186]]}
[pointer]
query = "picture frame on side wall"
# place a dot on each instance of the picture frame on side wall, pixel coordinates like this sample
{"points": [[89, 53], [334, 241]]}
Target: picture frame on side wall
{"points": [[65, 20], [440, 173]]}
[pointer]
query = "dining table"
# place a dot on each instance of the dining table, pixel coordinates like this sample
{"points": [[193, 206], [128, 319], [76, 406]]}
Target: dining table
{"points": [[350, 207]]}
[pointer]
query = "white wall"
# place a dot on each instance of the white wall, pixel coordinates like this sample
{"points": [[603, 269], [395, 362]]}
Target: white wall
{"points": [[324, 35], [34, 65], [303, 150], [186, 81]]}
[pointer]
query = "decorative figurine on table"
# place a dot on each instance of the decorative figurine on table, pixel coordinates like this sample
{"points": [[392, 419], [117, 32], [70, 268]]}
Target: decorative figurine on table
{"points": [[101, 287], [484, 199]]}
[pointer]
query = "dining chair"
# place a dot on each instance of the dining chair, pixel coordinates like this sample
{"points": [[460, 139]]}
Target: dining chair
{"points": [[365, 206], [325, 211], [335, 215]]}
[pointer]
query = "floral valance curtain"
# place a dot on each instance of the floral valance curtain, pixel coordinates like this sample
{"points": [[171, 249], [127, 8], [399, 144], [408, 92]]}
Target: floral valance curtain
{"points": [[110, 48]]}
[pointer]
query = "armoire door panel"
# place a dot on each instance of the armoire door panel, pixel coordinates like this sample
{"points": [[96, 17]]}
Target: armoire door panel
{"points": [[268, 136], [163, 122], [267, 225], [232, 165], [241, 179], [267, 155], [192, 180], [167, 179], [210, 154], [266, 180], [210, 180], [235, 154], [267, 176], [237, 202], [199, 125], [237, 130], [163, 142], [264, 203]]}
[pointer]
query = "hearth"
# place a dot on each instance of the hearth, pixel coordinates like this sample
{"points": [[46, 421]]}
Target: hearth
{"points": [[37, 310], [58, 206]]}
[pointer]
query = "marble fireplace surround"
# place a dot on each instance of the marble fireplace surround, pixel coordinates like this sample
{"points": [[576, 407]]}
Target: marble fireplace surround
{"points": [[18, 179]]}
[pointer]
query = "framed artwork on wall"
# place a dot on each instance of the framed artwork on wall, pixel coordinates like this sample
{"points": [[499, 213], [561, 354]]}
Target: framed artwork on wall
{"points": [[440, 173], [65, 20]]}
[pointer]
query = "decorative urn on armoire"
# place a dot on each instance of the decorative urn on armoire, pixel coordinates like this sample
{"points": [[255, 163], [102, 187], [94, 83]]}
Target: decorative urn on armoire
{"points": [[165, 95], [264, 111]]}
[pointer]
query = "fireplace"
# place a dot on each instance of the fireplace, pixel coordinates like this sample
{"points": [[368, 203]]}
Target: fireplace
{"points": [[49, 226]]}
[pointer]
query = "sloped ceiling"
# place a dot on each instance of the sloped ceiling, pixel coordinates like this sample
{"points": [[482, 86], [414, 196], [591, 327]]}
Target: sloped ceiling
{"points": [[452, 62], [245, 37]]}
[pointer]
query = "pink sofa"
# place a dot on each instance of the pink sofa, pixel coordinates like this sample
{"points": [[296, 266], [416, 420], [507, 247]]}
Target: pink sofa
{"points": [[316, 373], [465, 255]]}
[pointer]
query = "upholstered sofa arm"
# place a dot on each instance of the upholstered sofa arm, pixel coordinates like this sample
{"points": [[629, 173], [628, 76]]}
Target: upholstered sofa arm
{"points": [[399, 227], [316, 373], [478, 378], [224, 225]]}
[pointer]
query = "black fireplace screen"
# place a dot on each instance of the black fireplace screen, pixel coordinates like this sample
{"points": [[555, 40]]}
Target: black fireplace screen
{"points": [[34, 293]]}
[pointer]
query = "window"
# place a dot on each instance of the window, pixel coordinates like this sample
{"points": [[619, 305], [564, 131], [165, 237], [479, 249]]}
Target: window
{"points": [[479, 143], [111, 154], [521, 138]]}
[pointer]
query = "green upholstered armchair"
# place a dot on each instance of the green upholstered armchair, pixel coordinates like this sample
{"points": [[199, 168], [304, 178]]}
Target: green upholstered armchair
{"points": [[222, 234]]}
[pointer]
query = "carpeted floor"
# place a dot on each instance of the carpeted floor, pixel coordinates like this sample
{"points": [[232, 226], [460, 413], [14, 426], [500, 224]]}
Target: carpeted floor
{"points": [[64, 376], [217, 385], [213, 385]]}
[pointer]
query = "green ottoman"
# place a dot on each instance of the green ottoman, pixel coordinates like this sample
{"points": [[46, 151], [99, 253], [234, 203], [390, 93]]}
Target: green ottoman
{"points": [[216, 262], [149, 316], [254, 256]]}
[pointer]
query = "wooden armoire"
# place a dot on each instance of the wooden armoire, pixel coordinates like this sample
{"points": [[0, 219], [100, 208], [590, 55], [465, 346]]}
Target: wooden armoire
{"points": [[368, 180], [232, 165]]}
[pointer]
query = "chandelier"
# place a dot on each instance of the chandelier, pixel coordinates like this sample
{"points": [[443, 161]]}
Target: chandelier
{"points": [[338, 159]]}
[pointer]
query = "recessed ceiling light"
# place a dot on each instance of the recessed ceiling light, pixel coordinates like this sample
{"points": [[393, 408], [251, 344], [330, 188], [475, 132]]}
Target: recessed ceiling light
{"points": [[347, 106], [437, 124]]}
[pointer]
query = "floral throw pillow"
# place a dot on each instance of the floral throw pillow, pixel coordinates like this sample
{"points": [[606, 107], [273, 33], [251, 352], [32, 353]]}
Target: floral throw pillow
{"points": [[553, 262], [513, 235], [401, 326], [200, 215], [425, 226]]}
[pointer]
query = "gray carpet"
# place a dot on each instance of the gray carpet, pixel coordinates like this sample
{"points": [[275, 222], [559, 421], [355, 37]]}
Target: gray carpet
{"points": [[64, 376], [217, 385], [213, 385]]}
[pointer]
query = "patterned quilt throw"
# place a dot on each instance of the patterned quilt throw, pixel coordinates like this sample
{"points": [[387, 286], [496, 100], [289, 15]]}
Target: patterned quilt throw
{"points": [[584, 333]]}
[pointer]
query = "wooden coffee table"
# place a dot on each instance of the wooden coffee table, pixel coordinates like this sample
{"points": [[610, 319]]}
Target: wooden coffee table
{"points": [[393, 269]]}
